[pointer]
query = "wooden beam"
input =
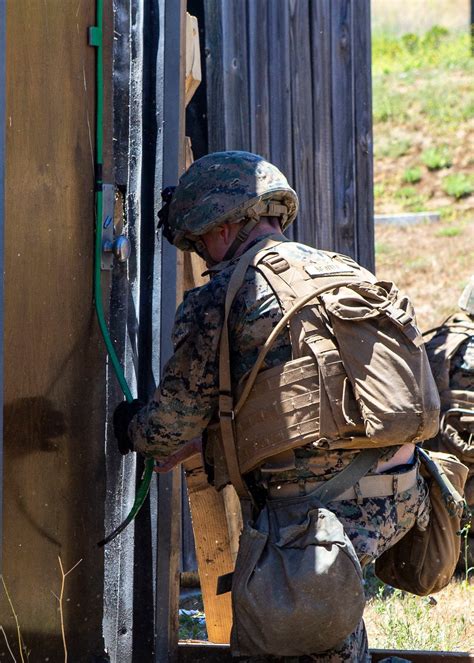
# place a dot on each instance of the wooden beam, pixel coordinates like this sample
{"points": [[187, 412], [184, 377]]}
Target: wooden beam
{"points": [[207, 653], [212, 549]]}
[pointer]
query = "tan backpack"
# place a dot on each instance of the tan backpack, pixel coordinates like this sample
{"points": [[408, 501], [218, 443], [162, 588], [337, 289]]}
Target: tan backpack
{"points": [[359, 376]]}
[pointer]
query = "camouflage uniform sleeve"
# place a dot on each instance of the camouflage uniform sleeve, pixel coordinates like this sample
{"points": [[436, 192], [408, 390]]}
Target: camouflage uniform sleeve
{"points": [[187, 396]]}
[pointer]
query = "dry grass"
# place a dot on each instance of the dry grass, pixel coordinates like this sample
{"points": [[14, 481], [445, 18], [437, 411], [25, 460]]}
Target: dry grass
{"points": [[444, 622], [431, 263], [419, 15]]}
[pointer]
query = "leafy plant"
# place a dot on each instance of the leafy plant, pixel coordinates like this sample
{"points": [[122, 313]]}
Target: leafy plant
{"points": [[458, 185], [436, 158], [411, 175]]}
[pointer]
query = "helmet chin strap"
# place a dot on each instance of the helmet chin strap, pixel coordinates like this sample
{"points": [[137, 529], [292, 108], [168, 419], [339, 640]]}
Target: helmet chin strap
{"points": [[271, 208], [263, 208], [241, 237]]}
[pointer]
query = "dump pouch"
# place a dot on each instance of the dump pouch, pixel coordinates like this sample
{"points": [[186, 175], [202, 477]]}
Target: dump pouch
{"points": [[423, 562], [293, 568]]}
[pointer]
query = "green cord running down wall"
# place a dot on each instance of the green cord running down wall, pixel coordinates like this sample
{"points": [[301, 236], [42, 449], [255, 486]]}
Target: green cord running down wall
{"points": [[96, 40]]}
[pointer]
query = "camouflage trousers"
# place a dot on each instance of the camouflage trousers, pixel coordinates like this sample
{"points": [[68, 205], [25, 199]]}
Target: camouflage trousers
{"points": [[373, 525]]}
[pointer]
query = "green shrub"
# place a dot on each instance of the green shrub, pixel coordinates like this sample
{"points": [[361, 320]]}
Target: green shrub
{"points": [[458, 185], [449, 231], [411, 41], [411, 175], [435, 36], [436, 158]]}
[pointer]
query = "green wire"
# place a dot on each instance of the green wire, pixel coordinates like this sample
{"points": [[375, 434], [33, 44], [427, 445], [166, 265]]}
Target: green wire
{"points": [[144, 486]]}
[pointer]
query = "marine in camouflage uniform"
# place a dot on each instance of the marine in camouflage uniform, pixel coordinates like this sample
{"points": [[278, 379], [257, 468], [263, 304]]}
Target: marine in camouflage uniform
{"points": [[451, 354], [186, 401]]}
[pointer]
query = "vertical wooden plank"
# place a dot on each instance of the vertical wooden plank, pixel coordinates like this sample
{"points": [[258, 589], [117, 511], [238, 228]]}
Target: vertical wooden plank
{"points": [[343, 127], [280, 120], [235, 75], [2, 230], [54, 380], [322, 123], [169, 485], [258, 58], [362, 63], [214, 75], [302, 118]]}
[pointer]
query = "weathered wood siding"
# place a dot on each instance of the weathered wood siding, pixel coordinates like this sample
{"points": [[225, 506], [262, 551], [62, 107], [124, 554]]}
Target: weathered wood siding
{"points": [[290, 79]]}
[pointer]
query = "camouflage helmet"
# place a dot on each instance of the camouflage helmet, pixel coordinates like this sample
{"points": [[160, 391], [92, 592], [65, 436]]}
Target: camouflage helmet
{"points": [[466, 300], [227, 187]]}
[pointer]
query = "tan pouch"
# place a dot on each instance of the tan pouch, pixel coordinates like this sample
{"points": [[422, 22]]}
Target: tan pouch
{"points": [[423, 562]]}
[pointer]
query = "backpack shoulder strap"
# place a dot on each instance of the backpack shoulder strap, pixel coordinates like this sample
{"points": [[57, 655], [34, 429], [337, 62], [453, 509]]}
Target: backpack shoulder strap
{"points": [[226, 401]]}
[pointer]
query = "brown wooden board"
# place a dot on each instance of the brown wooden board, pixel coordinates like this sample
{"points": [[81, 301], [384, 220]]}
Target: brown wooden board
{"points": [[54, 481], [322, 120], [302, 119], [215, 76], [258, 55], [279, 85], [343, 127], [363, 135], [212, 549]]}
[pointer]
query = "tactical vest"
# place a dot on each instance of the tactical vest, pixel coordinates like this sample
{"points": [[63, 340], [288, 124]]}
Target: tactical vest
{"points": [[359, 375]]}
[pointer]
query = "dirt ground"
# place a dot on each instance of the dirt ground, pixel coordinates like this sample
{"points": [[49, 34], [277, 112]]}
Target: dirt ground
{"points": [[428, 264]]}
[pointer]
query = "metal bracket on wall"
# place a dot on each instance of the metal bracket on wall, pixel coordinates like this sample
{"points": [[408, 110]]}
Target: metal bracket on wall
{"points": [[118, 247]]}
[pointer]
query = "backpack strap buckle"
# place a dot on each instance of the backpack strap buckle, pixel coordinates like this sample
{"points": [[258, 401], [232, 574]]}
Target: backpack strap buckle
{"points": [[276, 263]]}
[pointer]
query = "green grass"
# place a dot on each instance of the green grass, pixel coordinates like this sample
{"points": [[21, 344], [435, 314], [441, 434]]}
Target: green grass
{"points": [[381, 248], [411, 175], [407, 623], [449, 231], [410, 199], [436, 158], [458, 185], [395, 149], [417, 78], [379, 189], [436, 49]]}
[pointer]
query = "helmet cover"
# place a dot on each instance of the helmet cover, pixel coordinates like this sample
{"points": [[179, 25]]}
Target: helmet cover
{"points": [[224, 187]]}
